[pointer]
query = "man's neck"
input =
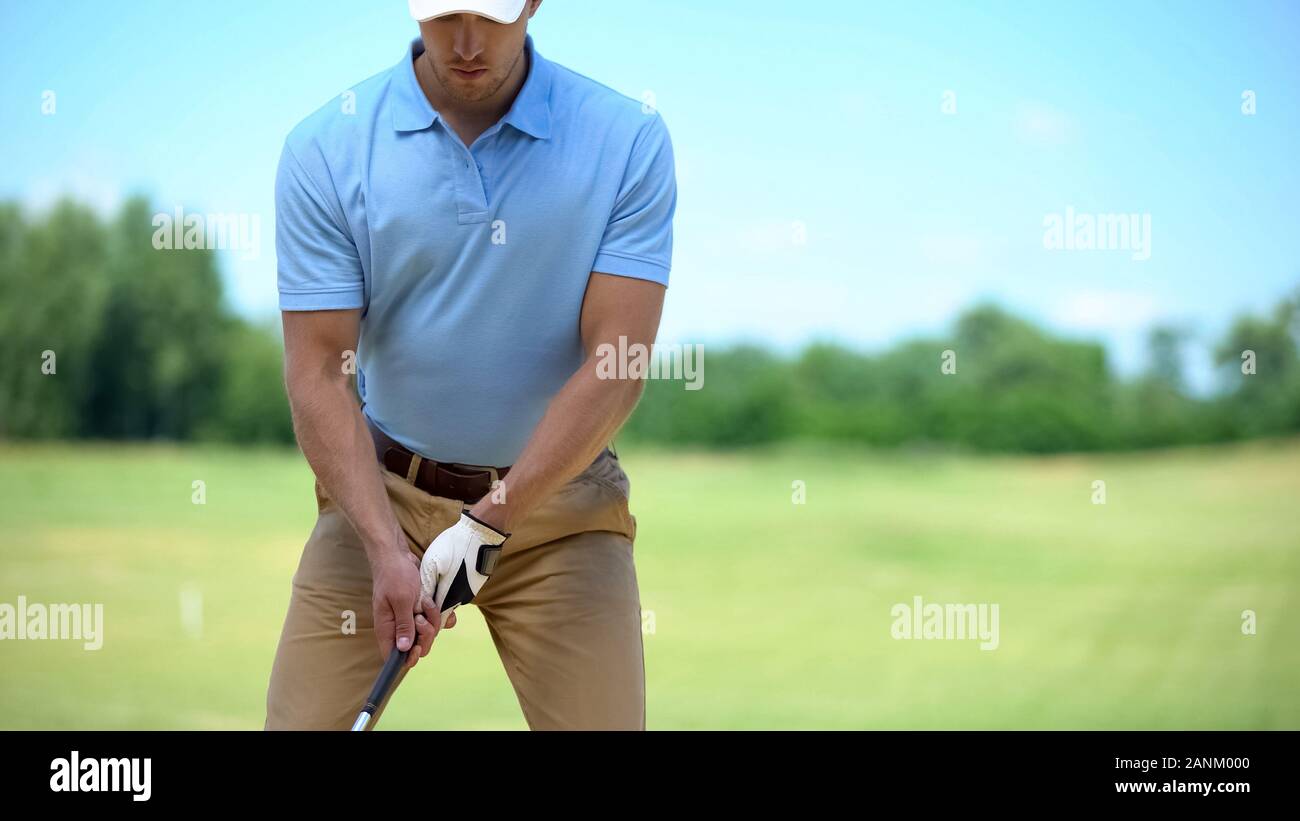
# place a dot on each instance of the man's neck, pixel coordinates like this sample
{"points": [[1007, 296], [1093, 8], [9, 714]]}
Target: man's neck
{"points": [[470, 119]]}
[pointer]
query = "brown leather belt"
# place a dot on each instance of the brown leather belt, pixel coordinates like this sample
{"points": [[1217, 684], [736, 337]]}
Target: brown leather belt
{"points": [[468, 483]]}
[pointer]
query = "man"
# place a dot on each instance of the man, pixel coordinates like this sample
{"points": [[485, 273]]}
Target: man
{"points": [[474, 223]]}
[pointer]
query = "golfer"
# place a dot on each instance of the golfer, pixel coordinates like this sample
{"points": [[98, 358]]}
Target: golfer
{"points": [[469, 232]]}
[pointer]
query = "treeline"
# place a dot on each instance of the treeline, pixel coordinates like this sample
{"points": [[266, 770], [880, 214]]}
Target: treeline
{"points": [[108, 338], [997, 383]]}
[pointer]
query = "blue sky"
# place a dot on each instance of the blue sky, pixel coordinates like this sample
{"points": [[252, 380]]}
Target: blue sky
{"points": [[824, 191]]}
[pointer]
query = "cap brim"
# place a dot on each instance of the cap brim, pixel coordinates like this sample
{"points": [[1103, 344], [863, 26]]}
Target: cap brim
{"points": [[499, 11]]}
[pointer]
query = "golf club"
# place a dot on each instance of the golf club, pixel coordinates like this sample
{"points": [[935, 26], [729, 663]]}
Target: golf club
{"points": [[388, 675], [379, 692]]}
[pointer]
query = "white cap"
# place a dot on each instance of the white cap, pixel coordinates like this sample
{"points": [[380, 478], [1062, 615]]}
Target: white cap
{"points": [[502, 11]]}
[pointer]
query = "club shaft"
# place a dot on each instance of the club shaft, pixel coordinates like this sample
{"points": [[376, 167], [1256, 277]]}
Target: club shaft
{"points": [[383, 685]]}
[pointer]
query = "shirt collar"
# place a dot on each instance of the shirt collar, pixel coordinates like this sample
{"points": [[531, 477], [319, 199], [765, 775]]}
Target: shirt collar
{"points": [[530, 113]]}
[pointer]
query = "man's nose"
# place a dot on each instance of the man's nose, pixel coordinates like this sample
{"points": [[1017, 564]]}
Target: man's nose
{"points": [[468, 41]]}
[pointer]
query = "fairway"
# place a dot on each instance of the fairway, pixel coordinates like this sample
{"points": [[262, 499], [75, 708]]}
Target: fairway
{"points": [[760, 613]]}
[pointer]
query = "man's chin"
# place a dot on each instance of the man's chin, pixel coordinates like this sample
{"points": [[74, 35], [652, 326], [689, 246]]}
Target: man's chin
{"points": [[469, 91]]}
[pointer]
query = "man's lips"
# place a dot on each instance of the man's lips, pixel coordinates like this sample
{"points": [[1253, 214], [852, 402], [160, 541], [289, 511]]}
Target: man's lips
{"points": [[469, 74]]}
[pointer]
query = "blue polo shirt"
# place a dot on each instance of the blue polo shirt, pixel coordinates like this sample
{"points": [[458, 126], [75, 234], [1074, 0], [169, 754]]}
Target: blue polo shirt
{"points": [[470, 264]]}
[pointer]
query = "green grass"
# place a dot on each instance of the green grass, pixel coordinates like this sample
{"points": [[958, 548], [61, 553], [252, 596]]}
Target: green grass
{"points": [[767, 614]]}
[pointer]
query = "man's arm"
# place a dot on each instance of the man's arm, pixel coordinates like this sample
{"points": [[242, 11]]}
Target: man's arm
{"points": [[333, 436], [329, 425], [584, 416]]}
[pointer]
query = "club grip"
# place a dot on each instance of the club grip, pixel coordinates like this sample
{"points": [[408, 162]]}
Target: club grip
{"points": [[385, 681]]}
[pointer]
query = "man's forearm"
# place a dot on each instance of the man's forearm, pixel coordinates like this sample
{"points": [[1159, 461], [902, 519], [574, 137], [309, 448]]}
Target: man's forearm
{"points": [[333, 436], [580, 421]]}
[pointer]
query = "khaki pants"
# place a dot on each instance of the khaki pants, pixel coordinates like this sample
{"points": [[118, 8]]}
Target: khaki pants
{"points": [[562, 607]]}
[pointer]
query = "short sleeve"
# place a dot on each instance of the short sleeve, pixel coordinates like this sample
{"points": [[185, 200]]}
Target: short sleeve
{"points": [[638, 240], [317, 262]]}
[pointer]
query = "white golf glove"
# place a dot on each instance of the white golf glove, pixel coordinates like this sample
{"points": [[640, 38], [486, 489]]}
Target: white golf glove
{"points": [[458, 562]]}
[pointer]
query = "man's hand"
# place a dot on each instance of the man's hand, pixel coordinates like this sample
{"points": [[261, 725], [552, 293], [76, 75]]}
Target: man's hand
{"points": [[405, 614], [459, 561]]}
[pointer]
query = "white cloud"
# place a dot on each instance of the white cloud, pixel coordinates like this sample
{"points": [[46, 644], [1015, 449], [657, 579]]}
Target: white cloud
{"points": [[768, 235], [87, 175], [1105, 310], [954, 249], [1042, 124], [88, 188]]}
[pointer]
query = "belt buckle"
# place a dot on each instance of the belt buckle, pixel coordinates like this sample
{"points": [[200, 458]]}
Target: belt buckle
{"points": [[471, 471], [466, 475], [494, 480]]}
